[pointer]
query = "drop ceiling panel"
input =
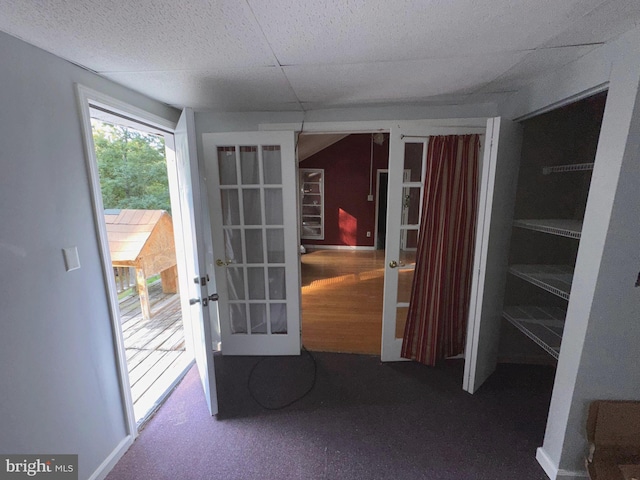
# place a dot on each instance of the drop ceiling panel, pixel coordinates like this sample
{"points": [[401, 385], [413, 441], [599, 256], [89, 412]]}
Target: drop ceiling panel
{"points": [[141, 35], [396, 81], [358, 31], [263, 88], [543, 60], [609, 20]]}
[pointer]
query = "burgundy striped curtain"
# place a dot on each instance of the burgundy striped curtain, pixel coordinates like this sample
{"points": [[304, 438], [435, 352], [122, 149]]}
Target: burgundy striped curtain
{"points": [[439, 305]]}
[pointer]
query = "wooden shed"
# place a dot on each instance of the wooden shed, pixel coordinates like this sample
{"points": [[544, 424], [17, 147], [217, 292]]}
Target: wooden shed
{"points": [[143, 239]]}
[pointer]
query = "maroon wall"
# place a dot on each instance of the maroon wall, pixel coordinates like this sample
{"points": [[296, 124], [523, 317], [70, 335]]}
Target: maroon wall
{"points": [[347, 213]]}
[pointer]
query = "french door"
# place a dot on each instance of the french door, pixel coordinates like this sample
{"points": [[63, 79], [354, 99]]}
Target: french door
{"points": [[251, 180], [191, 246], [407, 161]]}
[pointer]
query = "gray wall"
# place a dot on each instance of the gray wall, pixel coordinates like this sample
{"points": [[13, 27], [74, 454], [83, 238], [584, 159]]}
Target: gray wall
{"points": [[59, 386]]}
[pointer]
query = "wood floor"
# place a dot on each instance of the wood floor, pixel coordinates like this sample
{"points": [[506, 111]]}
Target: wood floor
{"points": [[342, 300], [155, 348]]}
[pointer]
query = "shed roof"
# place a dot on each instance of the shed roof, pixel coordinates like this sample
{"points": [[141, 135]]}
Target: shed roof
{"points": [[128, 231]]}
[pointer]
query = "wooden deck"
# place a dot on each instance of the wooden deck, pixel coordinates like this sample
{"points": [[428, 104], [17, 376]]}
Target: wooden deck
{"points": [[155, 348]]}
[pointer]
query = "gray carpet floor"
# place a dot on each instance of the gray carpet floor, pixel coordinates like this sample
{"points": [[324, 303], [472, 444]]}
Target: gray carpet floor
{"points": [[362, 420]]}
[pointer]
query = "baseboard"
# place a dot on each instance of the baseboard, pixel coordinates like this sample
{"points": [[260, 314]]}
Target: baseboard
{"points": [[336, 247], [105, 467], [553, 472]]}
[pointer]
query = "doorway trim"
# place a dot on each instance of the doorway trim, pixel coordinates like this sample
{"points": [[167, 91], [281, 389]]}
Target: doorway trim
{"points": [[87, 98]]}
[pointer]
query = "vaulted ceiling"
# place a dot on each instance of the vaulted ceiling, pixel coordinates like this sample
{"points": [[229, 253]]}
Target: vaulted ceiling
{"points": [[235, 55]]}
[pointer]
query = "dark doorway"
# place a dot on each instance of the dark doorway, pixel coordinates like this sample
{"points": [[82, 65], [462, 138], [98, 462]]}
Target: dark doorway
{"points": [[381, 227]]}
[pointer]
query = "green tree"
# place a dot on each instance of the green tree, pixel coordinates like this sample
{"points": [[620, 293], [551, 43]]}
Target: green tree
{"points": [[132, 167]]}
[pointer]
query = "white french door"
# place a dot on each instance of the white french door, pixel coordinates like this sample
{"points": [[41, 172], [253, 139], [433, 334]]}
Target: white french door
{"points": [[191, 245], [251, 183], [407, 157], [408, 143]]}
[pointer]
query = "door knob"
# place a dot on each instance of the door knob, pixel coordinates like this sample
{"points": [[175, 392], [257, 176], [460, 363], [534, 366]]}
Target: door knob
{"points": [[213, 297], [393, 264]]}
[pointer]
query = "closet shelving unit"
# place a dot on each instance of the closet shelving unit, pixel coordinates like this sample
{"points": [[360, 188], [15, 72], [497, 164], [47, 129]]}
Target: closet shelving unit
{"points": [[545, 324]]}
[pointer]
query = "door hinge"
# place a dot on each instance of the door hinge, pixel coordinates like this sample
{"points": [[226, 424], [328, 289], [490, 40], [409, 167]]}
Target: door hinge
{"points": [[201, 280]]}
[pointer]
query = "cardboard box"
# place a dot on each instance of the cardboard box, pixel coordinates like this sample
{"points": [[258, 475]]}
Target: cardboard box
{"points": [[613, 431]]}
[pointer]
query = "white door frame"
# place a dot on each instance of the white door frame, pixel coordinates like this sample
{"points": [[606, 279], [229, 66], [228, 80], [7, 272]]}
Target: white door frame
{"points": [[455, 126], [88, 98]]}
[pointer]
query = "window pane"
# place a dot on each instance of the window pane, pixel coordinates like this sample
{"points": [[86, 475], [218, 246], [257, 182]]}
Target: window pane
{"points": [[258, 316], [233, 245], [272, 164], [277, 283], [278, 318], [401, 320], [413, 162], [255, 276], [235, 283], [227, 165], [275, 245], [252, 207], [254, 245], [273, 206], [411, 206], [238, 318], [230, 207], [405, 281], [249, 165]]}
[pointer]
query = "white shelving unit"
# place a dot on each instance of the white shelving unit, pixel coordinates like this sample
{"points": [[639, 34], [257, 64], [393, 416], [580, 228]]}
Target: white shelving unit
{"points": [[543, 325], [577, 167], [312, 203], [560, 227], [555, 279]]}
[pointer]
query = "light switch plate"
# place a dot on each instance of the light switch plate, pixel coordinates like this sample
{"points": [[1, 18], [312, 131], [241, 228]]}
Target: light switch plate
{"points": [[71, 259]]}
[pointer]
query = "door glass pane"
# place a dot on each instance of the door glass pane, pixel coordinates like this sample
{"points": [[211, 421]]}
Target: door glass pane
{"points": [[258, 316], [233, 245], [401, 320], [255, 276], [410, 206], [278, 318], [408, 258], [276, 283], [252, 207], [413, 161], [227, 165], [313, 176], [235, 283], [405, 280], [253, 238], [230, 207], [275, 245], [249, 165], [273, 206], [272, 164], [238, 318]]}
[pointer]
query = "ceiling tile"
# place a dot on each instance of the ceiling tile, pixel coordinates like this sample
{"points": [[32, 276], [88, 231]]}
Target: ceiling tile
{"points": [[609, 20], [262, 88], [360, 31], [141, 35], [396, 81], [533, 65]]}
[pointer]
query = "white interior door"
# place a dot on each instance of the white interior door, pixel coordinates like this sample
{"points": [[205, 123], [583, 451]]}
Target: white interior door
{"points": [[191, 245], [493, 234], [406, 178], [251, 180], [408, 143]]}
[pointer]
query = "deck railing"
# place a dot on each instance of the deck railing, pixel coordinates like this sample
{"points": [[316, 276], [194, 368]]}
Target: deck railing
{"points": [[125, 278]]}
